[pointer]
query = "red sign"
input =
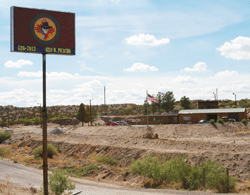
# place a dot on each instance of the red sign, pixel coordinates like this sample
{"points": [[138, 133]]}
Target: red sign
{"points": [[42, 31]]}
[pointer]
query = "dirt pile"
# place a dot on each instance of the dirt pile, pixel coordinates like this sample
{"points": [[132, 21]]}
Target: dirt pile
{"points": [[228, 144]]}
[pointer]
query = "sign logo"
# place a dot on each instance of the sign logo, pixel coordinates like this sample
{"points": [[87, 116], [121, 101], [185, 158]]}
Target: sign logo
{"points": [[45, 29]]}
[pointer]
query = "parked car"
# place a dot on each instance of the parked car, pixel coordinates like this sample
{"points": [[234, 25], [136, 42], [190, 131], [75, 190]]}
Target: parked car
{"points": [[203, 122], [231, 120], [121, 122], [111, 124]]}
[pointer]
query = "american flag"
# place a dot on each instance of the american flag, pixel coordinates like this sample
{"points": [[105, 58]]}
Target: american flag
{"points": [[152, 99]]}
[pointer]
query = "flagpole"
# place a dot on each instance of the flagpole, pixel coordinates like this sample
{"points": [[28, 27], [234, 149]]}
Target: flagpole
{"points": [[147, 106]]}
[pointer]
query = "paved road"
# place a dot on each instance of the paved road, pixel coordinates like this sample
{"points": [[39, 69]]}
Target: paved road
{"points": [[26, 177]]}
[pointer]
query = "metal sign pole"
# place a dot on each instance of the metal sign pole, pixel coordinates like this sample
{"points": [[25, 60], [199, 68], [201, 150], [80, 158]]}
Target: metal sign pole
{"points": [[45, 164]]}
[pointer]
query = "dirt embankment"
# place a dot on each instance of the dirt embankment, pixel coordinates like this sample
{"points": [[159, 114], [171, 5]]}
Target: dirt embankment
{"points": [[228, 144]]}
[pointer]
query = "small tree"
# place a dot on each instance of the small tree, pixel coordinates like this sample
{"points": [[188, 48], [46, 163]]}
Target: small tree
{"points": [[168, 101], [145, 107], [244, 121], [185, 102], [81, 115], [153, 107], [59, 182]]}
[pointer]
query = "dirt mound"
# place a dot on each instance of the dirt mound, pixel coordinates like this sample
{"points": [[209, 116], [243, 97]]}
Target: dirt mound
{"points": [[227, 143], [56, 131]]}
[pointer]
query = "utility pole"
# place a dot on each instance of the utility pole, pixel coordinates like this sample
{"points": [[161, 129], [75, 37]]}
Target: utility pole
{"points": [[104, 96], [8, 116], [90, 112], [217, 93], [214, 96], [235, 98]]}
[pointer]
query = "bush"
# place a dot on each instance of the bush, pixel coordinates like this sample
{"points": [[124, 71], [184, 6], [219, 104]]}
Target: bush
{"points": [[90, 167], [51, 150], [179, 170], [79, 172], [59, 182], [244, 121], [107, 160], [216, 177], [220, 120], [26, 121], [4, 136], [37, 121], [212, 121]]}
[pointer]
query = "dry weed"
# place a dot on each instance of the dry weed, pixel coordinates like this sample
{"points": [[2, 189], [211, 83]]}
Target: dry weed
{"points": [[245, 187]]}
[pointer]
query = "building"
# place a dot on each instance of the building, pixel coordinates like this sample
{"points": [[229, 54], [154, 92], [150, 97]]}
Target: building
{"points": [[195, 115], [168, 118], [207, 104]]}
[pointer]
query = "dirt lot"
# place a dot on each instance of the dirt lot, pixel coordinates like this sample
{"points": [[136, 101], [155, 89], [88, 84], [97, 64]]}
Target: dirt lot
{"points": [[227, 143]]}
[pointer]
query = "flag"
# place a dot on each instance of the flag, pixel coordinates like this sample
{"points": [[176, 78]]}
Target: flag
{"points": [[152, 99]]}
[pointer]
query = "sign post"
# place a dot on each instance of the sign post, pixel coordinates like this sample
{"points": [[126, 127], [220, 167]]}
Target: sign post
{"points": [[42, 32], [45, 160]]}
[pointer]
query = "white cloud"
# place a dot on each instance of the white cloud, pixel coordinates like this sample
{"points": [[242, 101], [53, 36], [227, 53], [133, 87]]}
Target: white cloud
{"points": [[91, 84], [200, 66], [238, 48], [126, 53], [185, 79], [226, 73], [143, 39], [52, 75], [140, 67], [30, 74], [18, 63]]}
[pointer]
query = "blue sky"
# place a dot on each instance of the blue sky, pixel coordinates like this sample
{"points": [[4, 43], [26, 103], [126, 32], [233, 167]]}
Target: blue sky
{"points": [[130, 46]]}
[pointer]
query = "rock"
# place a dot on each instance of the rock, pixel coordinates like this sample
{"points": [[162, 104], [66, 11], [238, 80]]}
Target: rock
{"points": [[103, 174]]}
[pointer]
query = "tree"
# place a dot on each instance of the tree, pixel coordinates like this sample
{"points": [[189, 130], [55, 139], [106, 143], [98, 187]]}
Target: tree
{"points": [[81, 115], [185, 102], [94, 114], [168, 101], [145, 107], [153, 107], [59, 182], [159, 97]]}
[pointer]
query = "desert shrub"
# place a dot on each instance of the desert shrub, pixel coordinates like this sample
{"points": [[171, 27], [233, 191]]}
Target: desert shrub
{"points": [[221, 105], [244, 121], [90, 167], [4, 151], [179, 170], [220, 120], [51, 150], [26, 121], [216, 177], [59, 182], [4, 136], [234, 106], [149, 167], [107, 160], [79, 172], [211, 121], [37, 121], [245, 105]]}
